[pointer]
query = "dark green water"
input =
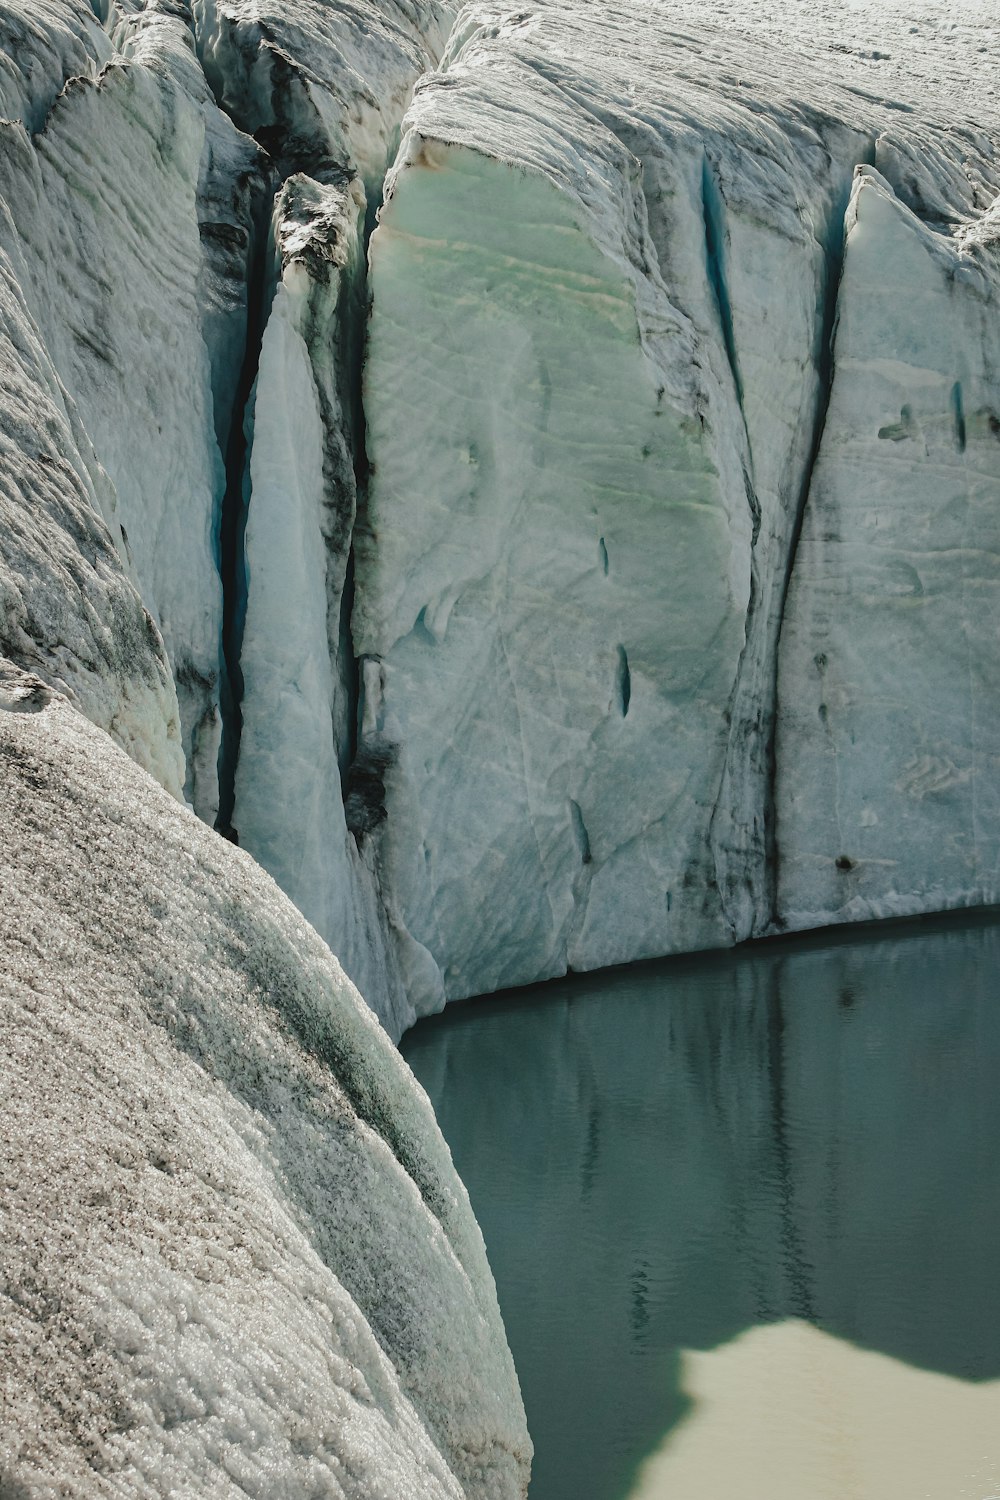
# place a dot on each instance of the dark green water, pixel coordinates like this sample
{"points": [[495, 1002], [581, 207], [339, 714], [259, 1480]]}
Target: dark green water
{"points": [[664, 1157]]}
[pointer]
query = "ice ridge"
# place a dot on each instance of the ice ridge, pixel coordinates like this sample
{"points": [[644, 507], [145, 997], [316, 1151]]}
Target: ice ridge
{"points": [[236, 1257]]}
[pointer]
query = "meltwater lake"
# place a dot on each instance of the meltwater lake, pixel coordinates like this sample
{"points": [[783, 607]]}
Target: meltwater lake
{"points": [[743, 1212]]}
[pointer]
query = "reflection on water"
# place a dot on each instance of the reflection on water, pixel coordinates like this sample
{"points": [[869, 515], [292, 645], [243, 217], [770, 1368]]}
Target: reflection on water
{"points": [[665, 1158], [787, 1411]]}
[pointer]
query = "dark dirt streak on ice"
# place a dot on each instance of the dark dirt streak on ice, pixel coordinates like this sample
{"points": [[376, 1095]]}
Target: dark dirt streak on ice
{"points": [[834, 250]]}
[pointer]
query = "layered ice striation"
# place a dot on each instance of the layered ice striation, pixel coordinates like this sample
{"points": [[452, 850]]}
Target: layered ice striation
{"points": [[106, 166], [236, 1257], [606, 282]]}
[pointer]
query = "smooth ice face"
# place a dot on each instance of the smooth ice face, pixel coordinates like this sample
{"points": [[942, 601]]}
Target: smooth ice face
{"points": [[605, 282], [297, 664], [219, 1171], [511, 578], [889, 689]]}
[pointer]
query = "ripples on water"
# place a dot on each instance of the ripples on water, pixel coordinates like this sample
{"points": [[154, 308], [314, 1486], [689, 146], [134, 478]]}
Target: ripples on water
{"points": [[744, 1215]]}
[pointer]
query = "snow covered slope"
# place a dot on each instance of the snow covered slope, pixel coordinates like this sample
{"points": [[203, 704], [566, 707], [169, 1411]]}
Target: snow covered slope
{"points": [[605, 285], [236, 1256]]}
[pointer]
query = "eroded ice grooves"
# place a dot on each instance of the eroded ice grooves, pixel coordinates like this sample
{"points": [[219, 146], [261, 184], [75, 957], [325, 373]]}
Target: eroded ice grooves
{"points": [[268, 94], [763, 628], [233, 518]]}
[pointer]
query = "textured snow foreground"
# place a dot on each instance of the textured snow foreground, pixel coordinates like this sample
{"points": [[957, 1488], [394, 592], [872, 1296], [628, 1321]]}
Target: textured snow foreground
{"points": [[236, 1258]]}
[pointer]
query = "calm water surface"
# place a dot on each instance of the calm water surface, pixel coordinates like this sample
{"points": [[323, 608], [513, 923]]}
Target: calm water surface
{"points": [[744, 1216]]}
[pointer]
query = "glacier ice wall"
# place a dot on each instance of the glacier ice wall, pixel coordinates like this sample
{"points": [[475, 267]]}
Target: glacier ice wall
{"points": [[493, 621], [236, 1257], [606, 282], [887, 758], [325, 89]]}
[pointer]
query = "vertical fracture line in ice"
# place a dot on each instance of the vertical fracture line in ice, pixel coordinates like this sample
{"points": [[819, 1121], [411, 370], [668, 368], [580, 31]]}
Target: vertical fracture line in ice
{"points": [[352, 398], [958, 414], [713, 212], [233, 515], [834, 249], [623, 682]]}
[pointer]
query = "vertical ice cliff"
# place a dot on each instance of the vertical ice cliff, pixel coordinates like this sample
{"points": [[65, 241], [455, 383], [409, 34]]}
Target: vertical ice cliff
{"points": [[889, 726], [296, 658], [69, 605], [236, 1258], [325, 89], [604, 286], [103, 192], [479, 636]]}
